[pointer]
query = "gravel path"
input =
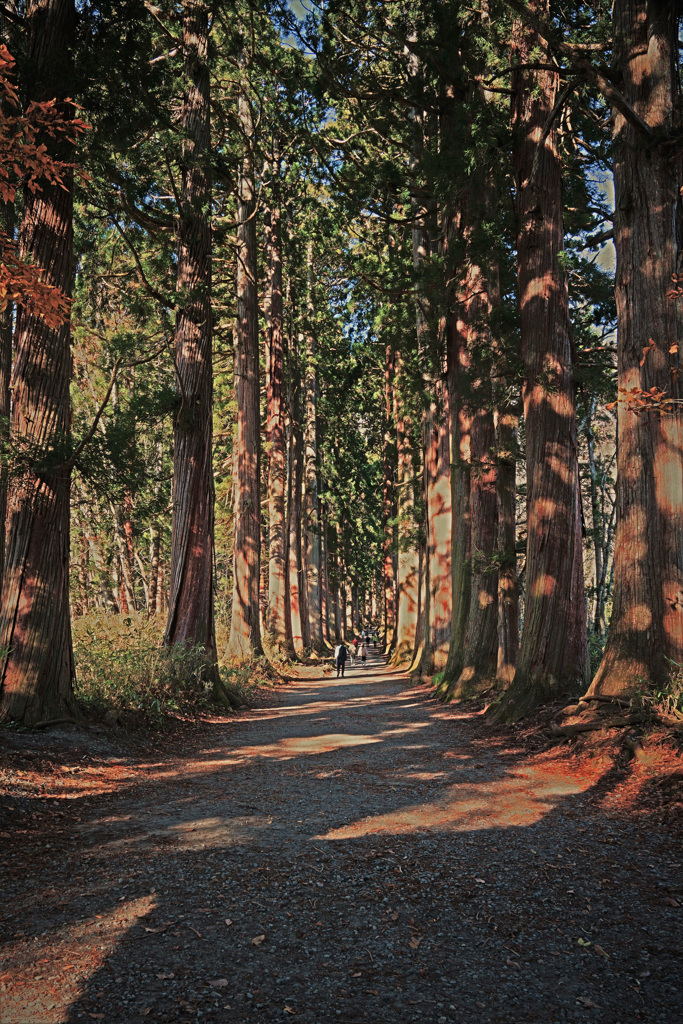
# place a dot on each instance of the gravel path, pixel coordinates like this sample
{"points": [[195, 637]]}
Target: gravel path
{"points": [[355, 852]]}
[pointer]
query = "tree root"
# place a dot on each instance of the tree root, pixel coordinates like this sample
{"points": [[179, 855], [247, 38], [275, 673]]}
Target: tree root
{"points": [[606, 700], [55, 721], [570, 731]]}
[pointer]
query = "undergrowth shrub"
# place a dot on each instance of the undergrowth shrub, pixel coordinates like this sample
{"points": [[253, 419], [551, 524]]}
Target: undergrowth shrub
{"points": [[122, 665]]}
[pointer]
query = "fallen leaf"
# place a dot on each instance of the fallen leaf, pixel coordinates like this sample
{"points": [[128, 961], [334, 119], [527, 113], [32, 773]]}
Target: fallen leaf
{"points": [[600, 951], [147, 1009], [228, 921], [588, 1003], [166, 977], [288, 1009], [671, 901], [394, 916], [482, 881], [415, 941], [356, 974], [257, 940]]}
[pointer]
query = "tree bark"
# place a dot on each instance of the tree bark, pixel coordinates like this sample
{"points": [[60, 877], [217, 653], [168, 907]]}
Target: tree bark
{"points": [[457, 367], [275, 426], [36, 666], [7, 224], [646, 630], [553, 656], [481, 642], [191, 598], [508, 585], [311, 509], [407, 576], [388, 497], [439, 515], [245, 631], [296, 478]]}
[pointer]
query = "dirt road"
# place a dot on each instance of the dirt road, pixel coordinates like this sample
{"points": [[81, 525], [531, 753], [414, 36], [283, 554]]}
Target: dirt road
{"points": [[354, 852]]}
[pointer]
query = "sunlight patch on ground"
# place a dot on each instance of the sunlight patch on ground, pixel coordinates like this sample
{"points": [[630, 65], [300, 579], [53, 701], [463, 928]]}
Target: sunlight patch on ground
{"points": [[520, 799], [55, 967], [192, 834]]}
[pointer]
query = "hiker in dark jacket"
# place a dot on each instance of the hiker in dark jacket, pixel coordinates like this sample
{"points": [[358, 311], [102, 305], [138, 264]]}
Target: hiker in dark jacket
{"points": [[340, 653]]}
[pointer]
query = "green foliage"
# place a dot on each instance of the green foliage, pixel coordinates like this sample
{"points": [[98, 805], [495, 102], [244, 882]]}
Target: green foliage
{"points": [[121, 665]]}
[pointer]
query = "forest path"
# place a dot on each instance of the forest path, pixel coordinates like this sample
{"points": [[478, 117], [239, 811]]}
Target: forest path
{"points": [[354, 852]]}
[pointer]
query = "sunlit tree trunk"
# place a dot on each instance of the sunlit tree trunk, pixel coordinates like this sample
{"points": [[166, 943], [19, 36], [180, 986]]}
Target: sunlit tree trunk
{"points": [[506, 554], [155, 533], [645, 640], [481, 640], [481, 635], [312, 505], [438, 475], [191, 597], [36, 666], [7, 224], [296, 479], [245, 631], [553, 655], [407, 576], [275, 433], [388, 496], [460, 426]]}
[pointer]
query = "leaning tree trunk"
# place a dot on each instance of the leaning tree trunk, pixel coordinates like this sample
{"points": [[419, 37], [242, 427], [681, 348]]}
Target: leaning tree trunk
{"points": [[553, 655], [275, 432], [191, 597], [645, 640], [36, 667], [245, 627]]}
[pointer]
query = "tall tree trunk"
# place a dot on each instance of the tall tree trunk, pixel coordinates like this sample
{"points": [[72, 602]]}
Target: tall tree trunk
{"points": [[36, 666], [127, 586], [275, 424], [245, 632], [155, 533], [439, 514], [508, 586], [388, 498], [553, 655], [311, 509], [191, 598], [481, 637], [296, 479], [646, 630], [460, 428], [7, 224], [407, 576], [481, 640]]}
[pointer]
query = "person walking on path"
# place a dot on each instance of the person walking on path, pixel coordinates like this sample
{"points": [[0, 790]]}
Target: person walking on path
{"points": [[363, 652], [354, 651], [340, 653]]}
